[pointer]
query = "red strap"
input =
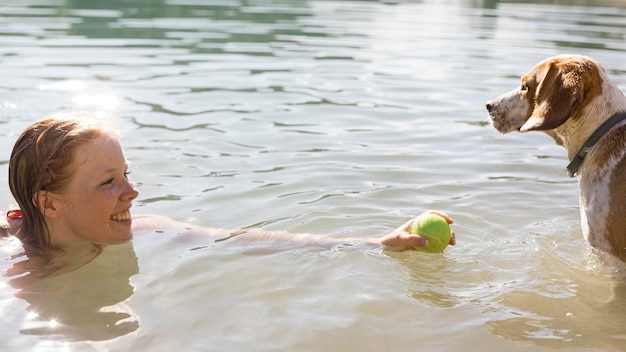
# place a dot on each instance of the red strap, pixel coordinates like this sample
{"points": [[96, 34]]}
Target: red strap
{"points": [[14, 214]]}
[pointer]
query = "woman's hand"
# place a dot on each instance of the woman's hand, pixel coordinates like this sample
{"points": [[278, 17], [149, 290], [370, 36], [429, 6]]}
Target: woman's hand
{"points": [[401, 239]]}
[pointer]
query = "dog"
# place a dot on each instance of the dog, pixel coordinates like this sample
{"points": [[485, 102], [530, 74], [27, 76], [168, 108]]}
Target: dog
{"points": [[570, 98]]}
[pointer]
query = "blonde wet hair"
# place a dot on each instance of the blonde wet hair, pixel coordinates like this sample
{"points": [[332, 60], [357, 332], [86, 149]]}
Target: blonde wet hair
{"points": [[40, 161]]}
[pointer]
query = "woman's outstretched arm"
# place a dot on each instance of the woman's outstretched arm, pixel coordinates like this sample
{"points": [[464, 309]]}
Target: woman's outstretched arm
{"points": [[398, 240]]}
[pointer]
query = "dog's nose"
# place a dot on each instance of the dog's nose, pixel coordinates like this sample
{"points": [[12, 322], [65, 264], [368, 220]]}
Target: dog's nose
{"points": [[489, 106]]}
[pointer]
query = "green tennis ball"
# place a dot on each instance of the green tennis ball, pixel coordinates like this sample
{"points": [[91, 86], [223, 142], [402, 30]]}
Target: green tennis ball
{"points": [[435, 229]]}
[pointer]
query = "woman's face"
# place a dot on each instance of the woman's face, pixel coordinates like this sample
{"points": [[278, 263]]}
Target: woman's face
{"points": [[95, 205]]}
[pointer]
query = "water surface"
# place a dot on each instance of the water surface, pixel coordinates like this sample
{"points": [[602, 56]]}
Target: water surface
{"points": [[343, 118]]}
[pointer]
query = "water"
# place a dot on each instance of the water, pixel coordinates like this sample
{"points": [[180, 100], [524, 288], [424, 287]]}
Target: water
{"points": [[343, 118]]}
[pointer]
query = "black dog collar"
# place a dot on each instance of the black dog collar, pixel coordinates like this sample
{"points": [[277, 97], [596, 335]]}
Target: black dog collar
{"points": [[573, 166]]}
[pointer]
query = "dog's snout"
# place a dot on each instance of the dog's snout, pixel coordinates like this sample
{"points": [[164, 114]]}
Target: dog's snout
{"points": [[489, 106]]}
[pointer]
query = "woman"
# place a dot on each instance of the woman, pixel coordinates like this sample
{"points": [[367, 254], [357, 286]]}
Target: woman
{"points": [[69, 176]]}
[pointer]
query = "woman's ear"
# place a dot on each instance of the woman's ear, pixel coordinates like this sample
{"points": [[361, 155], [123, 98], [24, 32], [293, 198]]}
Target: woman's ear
{"points": [[47, 203]]}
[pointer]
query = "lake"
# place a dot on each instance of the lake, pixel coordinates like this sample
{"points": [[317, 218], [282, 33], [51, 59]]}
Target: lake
{"points": [[342, 118]]}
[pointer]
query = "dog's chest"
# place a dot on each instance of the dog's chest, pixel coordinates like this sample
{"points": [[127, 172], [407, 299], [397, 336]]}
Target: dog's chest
{"points": [[603, 194]]}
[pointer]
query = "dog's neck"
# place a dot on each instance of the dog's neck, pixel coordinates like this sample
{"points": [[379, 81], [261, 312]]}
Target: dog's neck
{"points": [[577, 129]]}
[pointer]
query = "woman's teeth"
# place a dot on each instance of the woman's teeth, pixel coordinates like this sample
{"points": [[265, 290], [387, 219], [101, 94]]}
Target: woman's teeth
{"points": [[121, 216]]}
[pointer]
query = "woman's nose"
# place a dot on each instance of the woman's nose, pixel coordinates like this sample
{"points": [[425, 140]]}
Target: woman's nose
{"points": [[131, 192]]}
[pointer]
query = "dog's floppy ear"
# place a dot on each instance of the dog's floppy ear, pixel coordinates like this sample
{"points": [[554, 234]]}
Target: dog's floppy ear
{"points": [[555, 97]]}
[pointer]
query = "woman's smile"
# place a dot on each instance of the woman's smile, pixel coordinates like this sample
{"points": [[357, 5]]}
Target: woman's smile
{"points": [[122, 216]]}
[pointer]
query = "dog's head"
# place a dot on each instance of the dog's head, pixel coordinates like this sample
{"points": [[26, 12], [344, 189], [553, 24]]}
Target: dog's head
{"points": [[550, 94]]}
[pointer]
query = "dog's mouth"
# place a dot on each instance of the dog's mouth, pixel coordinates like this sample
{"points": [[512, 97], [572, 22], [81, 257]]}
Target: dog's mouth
{"points": [[504, 123], [493, 116], [496, 122]]}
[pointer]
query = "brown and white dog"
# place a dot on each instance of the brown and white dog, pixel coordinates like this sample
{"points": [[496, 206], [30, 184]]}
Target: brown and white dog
{"points": [[570, 98]]}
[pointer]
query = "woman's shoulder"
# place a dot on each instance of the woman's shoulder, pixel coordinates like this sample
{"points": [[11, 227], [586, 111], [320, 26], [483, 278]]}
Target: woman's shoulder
{"points": [[143, 222], [163, 224]]}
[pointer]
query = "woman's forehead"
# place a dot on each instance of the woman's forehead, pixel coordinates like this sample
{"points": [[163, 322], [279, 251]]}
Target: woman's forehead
{"points": [[106, 151]]}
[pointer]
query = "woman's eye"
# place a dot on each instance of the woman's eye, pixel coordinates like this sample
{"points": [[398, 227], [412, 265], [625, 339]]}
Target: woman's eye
{"points": [[112, 179]]}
